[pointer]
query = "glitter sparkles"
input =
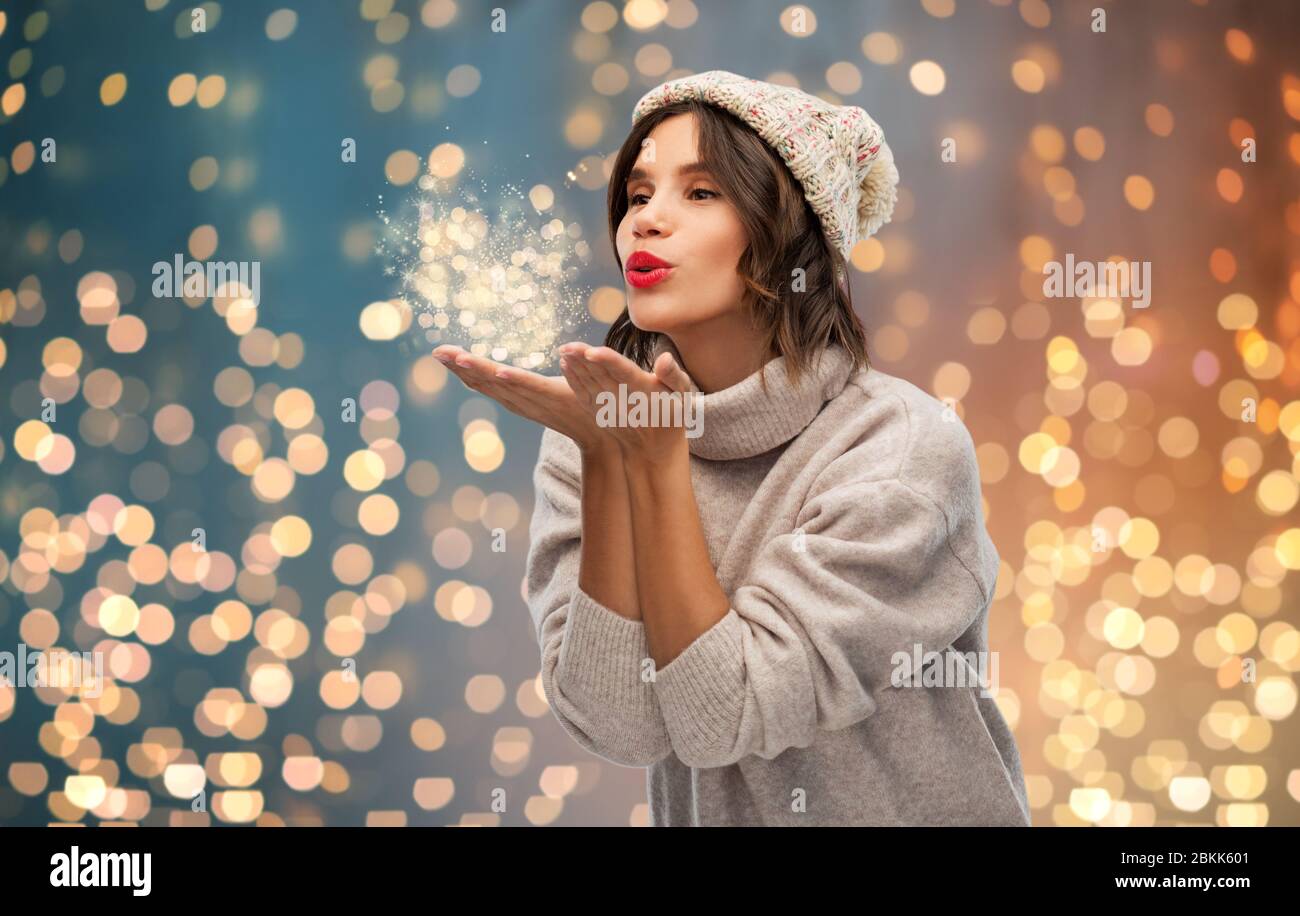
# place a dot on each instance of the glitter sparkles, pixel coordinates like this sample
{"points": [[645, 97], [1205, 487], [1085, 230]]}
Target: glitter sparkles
{"points": [[490, 275]]}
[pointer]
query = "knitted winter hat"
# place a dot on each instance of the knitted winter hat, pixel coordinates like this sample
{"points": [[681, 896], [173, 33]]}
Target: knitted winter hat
{"points": [[837, 152]]}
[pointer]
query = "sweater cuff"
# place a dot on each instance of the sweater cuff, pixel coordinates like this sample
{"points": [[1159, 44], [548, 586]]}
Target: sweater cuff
{"points": [[602, 656], [701, 692]]}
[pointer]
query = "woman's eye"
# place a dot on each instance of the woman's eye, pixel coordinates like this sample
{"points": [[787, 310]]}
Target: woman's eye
{"points": [[633, 198]]}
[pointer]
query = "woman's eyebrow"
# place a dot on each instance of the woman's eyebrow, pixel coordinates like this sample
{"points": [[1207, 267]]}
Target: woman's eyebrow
{"points": [[689, 168]]}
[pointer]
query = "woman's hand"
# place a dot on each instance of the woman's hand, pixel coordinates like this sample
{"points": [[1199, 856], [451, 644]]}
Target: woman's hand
{"points": [[595, 374], [545, 399]]}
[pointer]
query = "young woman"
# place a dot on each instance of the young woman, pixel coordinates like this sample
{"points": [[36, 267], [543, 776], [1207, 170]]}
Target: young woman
{"points": [[731, 605]]}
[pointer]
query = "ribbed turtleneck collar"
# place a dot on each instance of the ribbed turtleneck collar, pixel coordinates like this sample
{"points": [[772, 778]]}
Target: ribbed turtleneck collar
{"points": [[742, 420]]}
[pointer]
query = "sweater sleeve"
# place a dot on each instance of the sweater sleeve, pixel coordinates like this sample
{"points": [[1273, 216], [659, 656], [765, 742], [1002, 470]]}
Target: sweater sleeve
{"points": [[811, 633], [593, 658]]}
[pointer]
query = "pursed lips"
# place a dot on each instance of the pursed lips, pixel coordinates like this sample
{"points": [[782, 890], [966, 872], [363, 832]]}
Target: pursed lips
{"points": [[645, 270], [644, 261]]}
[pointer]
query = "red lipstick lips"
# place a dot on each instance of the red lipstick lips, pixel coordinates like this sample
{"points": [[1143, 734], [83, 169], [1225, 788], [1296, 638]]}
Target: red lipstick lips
{"points": [[644, 269]]}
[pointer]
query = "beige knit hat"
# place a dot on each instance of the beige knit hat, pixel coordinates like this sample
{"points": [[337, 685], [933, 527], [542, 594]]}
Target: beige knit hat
{"points": [[837, 152]]}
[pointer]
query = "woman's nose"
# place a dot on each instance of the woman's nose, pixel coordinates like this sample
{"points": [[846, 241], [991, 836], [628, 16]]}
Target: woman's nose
{"points": [[649, 220]]}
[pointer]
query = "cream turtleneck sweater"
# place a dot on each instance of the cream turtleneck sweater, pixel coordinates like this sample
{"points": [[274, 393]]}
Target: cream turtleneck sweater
{"points": [[844, 520]]}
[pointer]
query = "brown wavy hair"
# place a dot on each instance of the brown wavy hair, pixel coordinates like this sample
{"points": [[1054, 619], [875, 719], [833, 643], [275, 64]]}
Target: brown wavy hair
{"points": [[784, 235]]}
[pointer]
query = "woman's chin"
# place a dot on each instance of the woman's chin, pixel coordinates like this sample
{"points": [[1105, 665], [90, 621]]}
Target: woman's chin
{"points": [[657, 319]]}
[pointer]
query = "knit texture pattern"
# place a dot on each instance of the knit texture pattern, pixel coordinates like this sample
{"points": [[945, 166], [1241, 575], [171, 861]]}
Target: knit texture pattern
{"points": [[843, 518], [837, 152]]}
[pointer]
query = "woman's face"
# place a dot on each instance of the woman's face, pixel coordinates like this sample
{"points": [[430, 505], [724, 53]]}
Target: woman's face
{"points": [[683, 220]]}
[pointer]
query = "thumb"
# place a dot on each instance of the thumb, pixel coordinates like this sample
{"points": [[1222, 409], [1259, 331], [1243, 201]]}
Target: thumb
{"points": [[671, 374]]}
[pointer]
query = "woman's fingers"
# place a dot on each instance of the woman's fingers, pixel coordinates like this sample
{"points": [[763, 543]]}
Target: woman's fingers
{"points": [[601, 375], [456, 358], [671, 374], [477, 365], [586, 371], [610, 359], [552, 401], [480, 374], [545, 394], [503, 393], [458, 361], [579, 380], [593, 376], [574, 348], [529, 383], [546, 409], [571, 367], [613, 368], [462, 374]]}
